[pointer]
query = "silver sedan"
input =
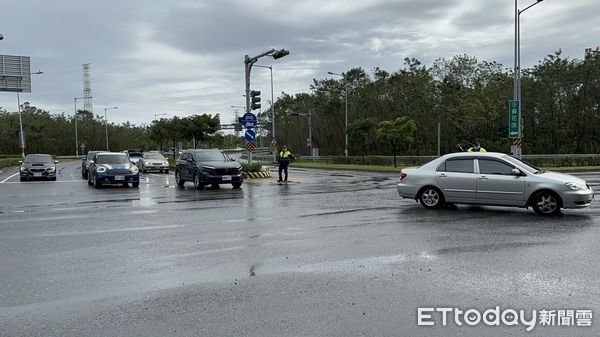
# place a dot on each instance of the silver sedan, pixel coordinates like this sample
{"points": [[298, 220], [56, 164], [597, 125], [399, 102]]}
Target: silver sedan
{"points": [[492, 179]]}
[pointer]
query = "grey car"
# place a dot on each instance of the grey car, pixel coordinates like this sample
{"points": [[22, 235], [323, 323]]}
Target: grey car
{"points": [[492, 179], [38, 166], [153, 161]]}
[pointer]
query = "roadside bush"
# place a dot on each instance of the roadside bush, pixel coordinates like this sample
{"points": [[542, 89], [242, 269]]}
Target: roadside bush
{"points": [[567, 160], [7, 162], [256, 167]]}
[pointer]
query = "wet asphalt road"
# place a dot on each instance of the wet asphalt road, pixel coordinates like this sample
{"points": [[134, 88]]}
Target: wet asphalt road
{"points": [[330, 254]]}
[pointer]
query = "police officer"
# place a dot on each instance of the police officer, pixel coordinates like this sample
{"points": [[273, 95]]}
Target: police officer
{"points": [[284, 161], [476, 148]]}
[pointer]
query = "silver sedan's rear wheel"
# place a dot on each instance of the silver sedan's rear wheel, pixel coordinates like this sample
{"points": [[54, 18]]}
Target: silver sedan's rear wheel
{"points": [[431, 197], [546, 203]]}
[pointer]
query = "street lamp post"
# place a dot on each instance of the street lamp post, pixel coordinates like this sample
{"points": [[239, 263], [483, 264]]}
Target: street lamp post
{"points": [[106, 123], [75, 118], [346, 122], [517, 70], [21, 133], [272, 111]]}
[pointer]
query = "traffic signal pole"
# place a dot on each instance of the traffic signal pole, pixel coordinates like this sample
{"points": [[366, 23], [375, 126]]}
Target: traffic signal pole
{"points": [[248, 62]]}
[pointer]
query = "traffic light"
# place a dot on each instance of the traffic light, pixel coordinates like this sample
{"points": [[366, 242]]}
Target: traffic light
{"points": [[280, 53], [255, 99]]}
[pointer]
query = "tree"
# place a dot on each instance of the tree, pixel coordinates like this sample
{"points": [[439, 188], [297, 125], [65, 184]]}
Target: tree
{"points": [[361, 133], [200, 127], [395, 132]]}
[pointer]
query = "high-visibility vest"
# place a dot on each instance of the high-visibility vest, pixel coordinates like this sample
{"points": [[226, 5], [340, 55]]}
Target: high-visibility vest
{"points": [[284, 154], [473, 150]]}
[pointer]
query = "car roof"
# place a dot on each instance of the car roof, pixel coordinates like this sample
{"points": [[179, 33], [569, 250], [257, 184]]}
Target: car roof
{"points": [[112, 153], [475, 154]]}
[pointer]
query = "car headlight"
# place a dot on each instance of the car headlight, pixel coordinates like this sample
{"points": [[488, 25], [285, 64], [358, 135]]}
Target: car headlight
{"points": [[166, 163], [101, 169], [51, 169], [134, 169], [575, 186], [23, 169]]}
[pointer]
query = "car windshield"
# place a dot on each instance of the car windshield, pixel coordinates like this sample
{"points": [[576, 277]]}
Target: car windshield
{"points": [[527, 166], [155, 156], [135, 154], [112, 159], [38, 158], [210, 156]]}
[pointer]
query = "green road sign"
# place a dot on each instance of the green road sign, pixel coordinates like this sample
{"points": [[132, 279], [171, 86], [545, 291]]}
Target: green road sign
{"points": [[514, 119]]}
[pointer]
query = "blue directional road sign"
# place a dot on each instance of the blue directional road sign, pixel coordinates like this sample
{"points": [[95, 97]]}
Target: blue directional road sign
{"points": [[249, 120], [250, 135]]}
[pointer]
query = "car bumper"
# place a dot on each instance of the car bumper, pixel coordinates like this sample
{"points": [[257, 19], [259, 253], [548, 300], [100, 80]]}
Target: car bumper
{"points": [[155, 168], [112, 179], [577, 199], [407, 191], [215, 179], [42, 175]]}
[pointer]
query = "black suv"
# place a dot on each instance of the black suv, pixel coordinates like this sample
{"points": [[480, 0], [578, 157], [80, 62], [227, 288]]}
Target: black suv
{"points": [[85, 163], [207, 167]]}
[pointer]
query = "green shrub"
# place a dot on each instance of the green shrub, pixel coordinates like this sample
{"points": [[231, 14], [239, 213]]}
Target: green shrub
{"points": [[7, 162], [256, 167]]}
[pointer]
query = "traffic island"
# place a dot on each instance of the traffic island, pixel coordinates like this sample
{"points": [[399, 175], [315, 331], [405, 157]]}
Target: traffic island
{"points": [[256, 171], [257, 175]]}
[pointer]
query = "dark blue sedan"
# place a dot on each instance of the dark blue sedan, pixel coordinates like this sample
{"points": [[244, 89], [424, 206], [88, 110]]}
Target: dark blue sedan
{"points": [[111, 168]]}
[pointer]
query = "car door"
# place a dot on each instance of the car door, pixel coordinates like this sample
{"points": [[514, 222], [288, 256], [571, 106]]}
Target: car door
{"points": [[456, 177], [182, 165], [497, 185]]}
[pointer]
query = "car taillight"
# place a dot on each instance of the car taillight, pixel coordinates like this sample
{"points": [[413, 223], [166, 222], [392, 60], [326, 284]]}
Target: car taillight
{"points": [[403, 175]]}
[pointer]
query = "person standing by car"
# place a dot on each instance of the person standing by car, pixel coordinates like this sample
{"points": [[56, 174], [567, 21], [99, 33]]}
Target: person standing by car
{"points": [[476, 148], [284, 161]]}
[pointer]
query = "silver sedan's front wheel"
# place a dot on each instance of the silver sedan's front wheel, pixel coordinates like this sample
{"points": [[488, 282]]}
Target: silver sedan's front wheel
{"points": [[431, 197], [546, 203]]}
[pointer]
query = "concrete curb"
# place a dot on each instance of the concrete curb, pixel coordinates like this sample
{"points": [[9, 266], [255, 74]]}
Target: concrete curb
{"points": [[257, 175]]}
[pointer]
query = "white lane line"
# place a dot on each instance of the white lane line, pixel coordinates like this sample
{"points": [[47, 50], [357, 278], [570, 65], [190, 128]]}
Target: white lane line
{"points": [[5, 180], [72, 178], [41, 182]]}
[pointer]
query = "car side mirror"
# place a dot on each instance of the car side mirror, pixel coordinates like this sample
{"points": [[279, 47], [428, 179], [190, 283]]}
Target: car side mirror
{"points": [[515, 172], [190, 160]]}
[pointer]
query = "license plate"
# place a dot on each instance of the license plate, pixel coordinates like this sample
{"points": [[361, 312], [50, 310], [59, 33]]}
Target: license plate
{"points": [[37, 174], [119, 177], [226, 178]]}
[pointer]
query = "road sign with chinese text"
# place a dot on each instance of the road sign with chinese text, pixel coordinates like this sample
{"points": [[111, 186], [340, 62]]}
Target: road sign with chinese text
{"points": [[514, 119], [249, 120]]}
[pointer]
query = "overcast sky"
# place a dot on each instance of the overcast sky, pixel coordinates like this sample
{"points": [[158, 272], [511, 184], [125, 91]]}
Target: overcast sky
{"points": [[183, 57]]}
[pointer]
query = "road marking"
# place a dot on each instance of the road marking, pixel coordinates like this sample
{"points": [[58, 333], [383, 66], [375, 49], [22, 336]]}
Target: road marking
{"points": [[40, 182], [5, 180]]}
